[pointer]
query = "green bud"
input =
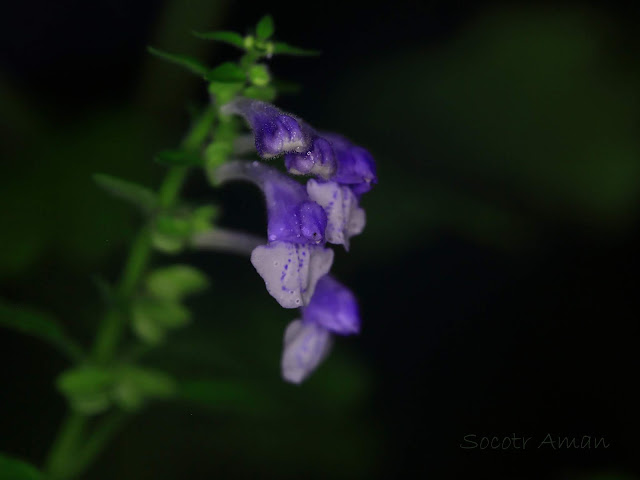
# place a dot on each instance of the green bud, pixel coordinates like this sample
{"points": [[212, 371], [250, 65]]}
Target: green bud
{"points": [[224, 92], [259, 75], [175, 282]]}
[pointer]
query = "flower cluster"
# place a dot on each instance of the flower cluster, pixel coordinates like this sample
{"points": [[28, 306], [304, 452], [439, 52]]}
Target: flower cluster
{"points": [[301, 220]]}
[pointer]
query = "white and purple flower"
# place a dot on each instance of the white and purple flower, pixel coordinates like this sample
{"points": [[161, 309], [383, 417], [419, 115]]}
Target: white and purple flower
{"points": [[333, 310], [301, 220]]}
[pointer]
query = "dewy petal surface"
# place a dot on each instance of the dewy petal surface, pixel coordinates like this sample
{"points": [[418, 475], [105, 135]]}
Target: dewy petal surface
{"points": [[305, 346], [291, 216], [333, 307], [344, 217], [275, 131], [355, 165], [291, 271], [319, 160]]}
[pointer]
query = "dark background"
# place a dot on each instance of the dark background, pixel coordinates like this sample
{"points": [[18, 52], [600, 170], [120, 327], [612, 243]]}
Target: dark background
{"points": [[496, 275]]}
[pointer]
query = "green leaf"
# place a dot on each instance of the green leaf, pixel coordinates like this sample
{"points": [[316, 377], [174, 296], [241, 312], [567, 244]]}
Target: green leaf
{"points": [[259, 75], [87, 388], [14, 469], [152, 318], [176, 282], [203, 218], [40, 325], [140, 196], [190, 63], [232, 38], [179, 158], [265, 27], [84, 379], [266, 94], [135, 384], [217, 153], [174, 225], [224, 92], [281, 48], [227, 72]]}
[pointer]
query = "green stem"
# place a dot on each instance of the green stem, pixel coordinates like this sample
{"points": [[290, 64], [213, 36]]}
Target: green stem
{"points": [[102, 433], [63, 461], [59, 462]]}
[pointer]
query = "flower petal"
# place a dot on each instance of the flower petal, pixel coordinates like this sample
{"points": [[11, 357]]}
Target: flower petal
{"points": [[344, 217], [333, 307], [291, 216], [305, 346], [291, 271], [355, 165], [319, 160], [275, 132]]}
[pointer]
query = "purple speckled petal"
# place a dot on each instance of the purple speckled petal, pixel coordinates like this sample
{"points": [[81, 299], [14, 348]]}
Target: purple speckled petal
{"points": [[292, 217], [333, 307], [355, 165], [319, 160], [275, 132], [344, 217], [305, 346], [291, 271]]}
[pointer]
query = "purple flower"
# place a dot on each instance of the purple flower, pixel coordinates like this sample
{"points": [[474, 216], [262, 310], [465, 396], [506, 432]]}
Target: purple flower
{"points": [[291, 271], [305, 346], [333, 310], [275, 132], [295, 258], [319, 160], [355, 165], [333, 307], [344, 217], [291, 215]]}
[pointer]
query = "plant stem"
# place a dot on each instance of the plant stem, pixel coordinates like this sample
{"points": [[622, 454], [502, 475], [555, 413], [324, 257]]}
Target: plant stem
{"points": [[59, 462], [63, 461]]}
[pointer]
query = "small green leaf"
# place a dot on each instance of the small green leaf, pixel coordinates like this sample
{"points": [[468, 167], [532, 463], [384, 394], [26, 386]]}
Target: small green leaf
{"points": [[227, 72], [232, 38], [14, 469], [224, 92], [174, 225], [217, 153], [266, 93], [38, 324], [135, 384], [259, 75], [152, 317], [87, 388], [281, 48], [203, 218], [140, 196], [176, 282], [265, 27], [168, 244], [179, 158], [84, 379], [190, 63]]}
